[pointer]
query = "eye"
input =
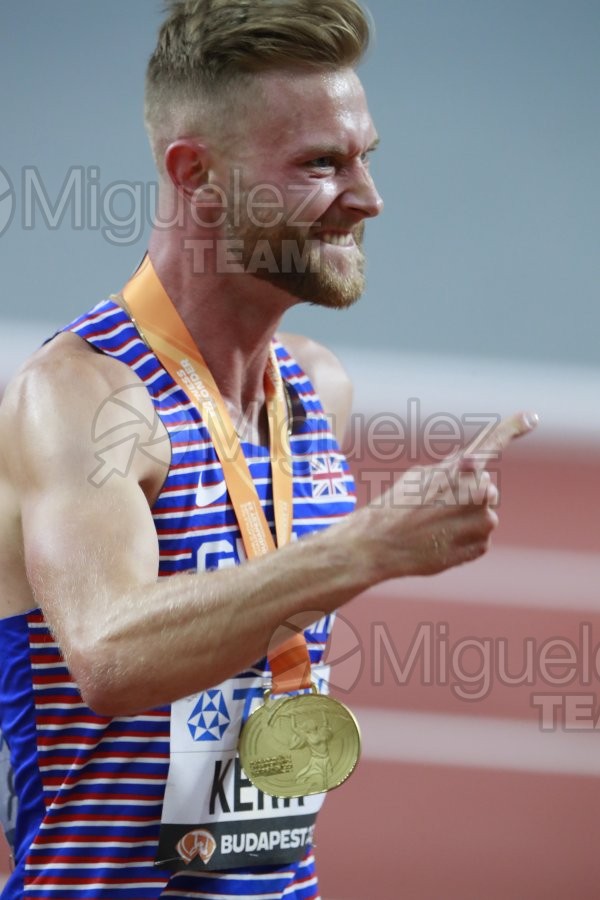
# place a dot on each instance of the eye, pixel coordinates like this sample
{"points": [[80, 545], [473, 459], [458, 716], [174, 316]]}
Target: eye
{"points": [[365, 157], [322, 162]]}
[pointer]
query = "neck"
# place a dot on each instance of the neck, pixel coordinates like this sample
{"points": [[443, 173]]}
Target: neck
{"points": [[232, 319]]}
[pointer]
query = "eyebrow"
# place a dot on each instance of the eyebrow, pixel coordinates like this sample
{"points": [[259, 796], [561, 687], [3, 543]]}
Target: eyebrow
{"points": [[334, 149]]}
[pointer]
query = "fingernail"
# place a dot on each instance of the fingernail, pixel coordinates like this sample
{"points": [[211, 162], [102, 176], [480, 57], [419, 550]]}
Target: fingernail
{"points": [[531, 419]]}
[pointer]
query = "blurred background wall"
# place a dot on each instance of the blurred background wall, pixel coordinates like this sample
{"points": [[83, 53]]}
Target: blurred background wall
{"points": [[489, 112]]}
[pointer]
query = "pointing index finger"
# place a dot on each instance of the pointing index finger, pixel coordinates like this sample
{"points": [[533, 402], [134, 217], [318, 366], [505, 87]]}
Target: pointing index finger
{"points": [[478, 454]]}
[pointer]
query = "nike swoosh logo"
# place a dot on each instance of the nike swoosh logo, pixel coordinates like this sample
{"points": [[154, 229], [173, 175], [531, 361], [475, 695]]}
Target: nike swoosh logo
{"points": [[209, 493]]}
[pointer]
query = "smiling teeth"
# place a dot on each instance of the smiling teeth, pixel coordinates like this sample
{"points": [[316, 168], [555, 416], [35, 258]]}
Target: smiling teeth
{"points": [[340, 240]]}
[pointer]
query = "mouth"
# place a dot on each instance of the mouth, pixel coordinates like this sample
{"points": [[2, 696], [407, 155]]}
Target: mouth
{"points": [[337, 238]]}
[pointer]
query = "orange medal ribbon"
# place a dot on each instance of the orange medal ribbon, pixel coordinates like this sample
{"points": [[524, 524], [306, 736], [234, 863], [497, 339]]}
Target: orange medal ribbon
{"points": [[163, 329]]}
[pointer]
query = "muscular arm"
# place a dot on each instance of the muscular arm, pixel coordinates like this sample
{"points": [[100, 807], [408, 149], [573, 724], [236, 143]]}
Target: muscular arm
{"points": [[91, 552], [132, 642]]}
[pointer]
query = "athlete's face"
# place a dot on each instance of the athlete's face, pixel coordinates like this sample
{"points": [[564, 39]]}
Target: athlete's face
{"points": [[304, 186]]}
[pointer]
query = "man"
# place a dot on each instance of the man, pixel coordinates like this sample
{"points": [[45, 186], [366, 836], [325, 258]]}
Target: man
{"points": [[126, 669]]}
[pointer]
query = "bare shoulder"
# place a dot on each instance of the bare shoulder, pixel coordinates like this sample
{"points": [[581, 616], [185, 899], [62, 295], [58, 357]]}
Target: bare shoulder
{"points": [[55, 366], [65, 375], [328, 376], [61, 402], [60, 435]]}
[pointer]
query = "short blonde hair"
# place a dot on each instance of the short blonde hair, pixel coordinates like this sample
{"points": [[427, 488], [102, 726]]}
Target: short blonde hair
{"points": [[208, 50]]}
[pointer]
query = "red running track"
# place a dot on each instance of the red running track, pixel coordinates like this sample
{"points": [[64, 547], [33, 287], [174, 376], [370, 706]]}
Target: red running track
{"points": [[462, 799]]}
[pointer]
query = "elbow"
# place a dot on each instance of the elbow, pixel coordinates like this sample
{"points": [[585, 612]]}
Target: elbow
{"points": [[102, 687], [102, 701]]}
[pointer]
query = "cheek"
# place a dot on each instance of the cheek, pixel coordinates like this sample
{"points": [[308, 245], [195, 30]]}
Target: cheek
{"points": [[307, 204], [264, 206]]}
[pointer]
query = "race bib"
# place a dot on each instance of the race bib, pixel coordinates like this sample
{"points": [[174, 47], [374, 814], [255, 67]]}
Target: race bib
{"points": [[213, 817]]}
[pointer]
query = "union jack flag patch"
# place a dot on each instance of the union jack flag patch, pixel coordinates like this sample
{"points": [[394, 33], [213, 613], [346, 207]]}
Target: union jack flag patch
{"points": [[328, 476]]}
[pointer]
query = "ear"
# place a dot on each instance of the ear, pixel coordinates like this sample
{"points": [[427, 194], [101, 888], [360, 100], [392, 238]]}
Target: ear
{"points": [[186, 162]]}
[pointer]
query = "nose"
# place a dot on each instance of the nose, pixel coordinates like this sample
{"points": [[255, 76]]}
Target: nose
{"points": [[361, 194]]}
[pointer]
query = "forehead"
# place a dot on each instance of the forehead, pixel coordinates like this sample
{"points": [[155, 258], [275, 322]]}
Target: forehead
{"points": [[309, 110]]}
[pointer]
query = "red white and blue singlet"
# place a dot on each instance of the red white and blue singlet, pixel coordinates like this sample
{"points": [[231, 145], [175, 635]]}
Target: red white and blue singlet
{"points": [[91, 788]]}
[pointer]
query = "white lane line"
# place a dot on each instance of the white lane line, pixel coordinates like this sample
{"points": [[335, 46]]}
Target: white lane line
{"points": [[477, 742], [511, 577], [456, 385]]}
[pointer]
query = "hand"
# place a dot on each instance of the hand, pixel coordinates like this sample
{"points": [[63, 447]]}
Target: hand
{"points": [[436, 517]]}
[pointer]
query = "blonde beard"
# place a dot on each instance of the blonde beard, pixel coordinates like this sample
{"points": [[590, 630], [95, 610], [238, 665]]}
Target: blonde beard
{"points": [[289, 259]]}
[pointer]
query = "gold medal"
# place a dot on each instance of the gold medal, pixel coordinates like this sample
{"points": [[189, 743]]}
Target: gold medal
{"points": [[301, 745]]}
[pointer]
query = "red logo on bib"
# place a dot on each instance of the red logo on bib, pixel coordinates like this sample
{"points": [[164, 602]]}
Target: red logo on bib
{"points": [[196, 843]]}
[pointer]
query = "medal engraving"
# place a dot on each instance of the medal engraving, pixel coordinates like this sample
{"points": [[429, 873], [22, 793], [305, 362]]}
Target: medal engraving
{"points": [[296, 746]]}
